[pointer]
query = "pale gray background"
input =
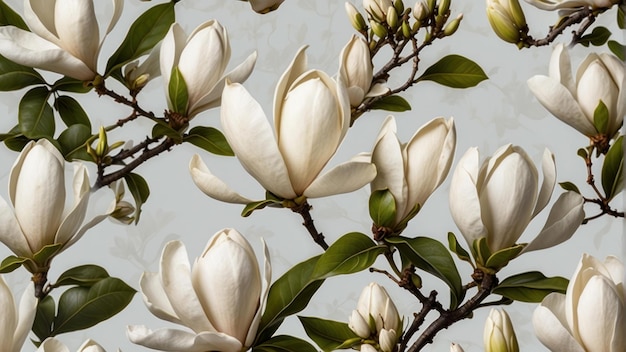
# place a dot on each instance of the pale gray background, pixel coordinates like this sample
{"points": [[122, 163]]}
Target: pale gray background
{"points": [[498, 111]]}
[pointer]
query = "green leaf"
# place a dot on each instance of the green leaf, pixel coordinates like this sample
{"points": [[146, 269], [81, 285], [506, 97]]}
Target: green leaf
{"points": [[72, 142], [284, 343], [288, 295], [454, 71], [71, 112], [457, 249], [481, 250], [16, 143], [351, 253], [382, 206], [44, 317], [531, 286], [433, 257], [583, 153], [597, 37], [147, 30], [621, 23], [177, 91], [84, 275], [15, 76], [613, 169], [69, 84], [35, 116], [251, 207], [391, 103], [11, 263], [210, 139], [601, 118], [84, 307], [501, 258], [159, 130], [8, 17], [569, 186], [46, 253], [138, 187], [618, 49], [329, 335]]}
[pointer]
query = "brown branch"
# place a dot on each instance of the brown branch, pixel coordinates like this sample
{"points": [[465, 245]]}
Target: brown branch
{"points": [[601, 201], [101, 89], [304, 211]]}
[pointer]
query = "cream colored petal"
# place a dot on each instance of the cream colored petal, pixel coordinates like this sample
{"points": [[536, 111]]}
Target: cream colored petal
{"points": [[74, 219], [30, 50], [26, 316], [211, 185], [39, 16], [548, 167], [171, 47], [267, 280], [8, 318], [596, 85], [293, 71], [565, 217], [250, 136], [90, 346], [176, 280], [78, 30], [551, 326], [51, 344], [11, 233], [156, 299], [343, 178], [560, 103], [376, 90], [181, 341], [118, 6], [561, 68]]}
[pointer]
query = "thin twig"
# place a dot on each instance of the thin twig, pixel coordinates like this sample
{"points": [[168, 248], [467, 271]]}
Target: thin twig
{"points": [[304, 211]]}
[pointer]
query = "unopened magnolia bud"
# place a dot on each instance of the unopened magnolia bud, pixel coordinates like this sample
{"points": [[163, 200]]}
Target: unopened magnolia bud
{"points": [[428, 36], [378, 29], [399, 5], [387, 340], [444, 7], [406, 29], [420, 11], [356, 19], [102, 148], [452, 26], [430, 4], [392, 17]]}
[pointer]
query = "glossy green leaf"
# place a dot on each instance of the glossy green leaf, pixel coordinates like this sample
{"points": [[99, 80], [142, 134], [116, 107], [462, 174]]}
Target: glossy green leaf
{"points": [[349, 254], [284, 343], [480, 250], [601, 117], [35, 116], [44, 318], [288, 295], [394, 103], [597, 37], [159, 130], [621, 10], [46, 253], [618, 49], [8, 17], [501, 258], [11, 263], [454, 71], [147, 30], [258, 205], [16, 143], [177, 91], [457, 249], [613, 169], [84, 275], [431, 256], [329, 335], [69, 84], [583, 153], [210, 139], [71, 112], [72, 142], [382, 206], [140, 190], [84, 307], [15, 76], [569, 186], [531, 286]]}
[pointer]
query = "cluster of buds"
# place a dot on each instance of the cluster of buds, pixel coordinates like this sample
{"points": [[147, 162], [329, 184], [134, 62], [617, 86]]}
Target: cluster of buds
{"points": [[508, 21], [101, 153]]}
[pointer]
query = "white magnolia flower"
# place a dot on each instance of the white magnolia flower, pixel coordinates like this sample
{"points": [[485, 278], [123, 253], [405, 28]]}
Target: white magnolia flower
{"points": [[356, 69], [498, 198], [221, 298], [37, 192], [591, 315], [600, 77], [412, 171], [571, 4], [65, 37], [265, 6], [376, 316], [53, 345], [201, 59], [499, 335], [16, 322], [311, 118]]}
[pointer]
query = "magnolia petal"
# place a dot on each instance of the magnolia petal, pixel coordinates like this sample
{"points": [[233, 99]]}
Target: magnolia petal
{"points": [[176, 280], [118, 6], [26, 316], [616, 271], [617, 69], [90, 346], [601, 316], [74, 219], [77, 29], [8, 318], [172, 46], [565, 217], [11, 233], [343, 178], [464, 202], [561, 67], [357, 324], [265, 6], [548, 167], [211, 185], [51, 344], [561, 103], [181, 341], [377, 90], [101, 204], [293, 71], [267, 279], [250, 136], [39, 16], [551, 326], [156, 299], [595, 85], [238, 75]]}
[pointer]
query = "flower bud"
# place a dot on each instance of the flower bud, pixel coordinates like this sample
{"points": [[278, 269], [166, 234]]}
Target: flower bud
{"points": [[507, 19], [406, 29], [377, 9], [399, 5], [420, 11], [452, 26], [103, 147], [444, 7], [499, 335], [392, 17], [378, 29], [387, 340], [356, 19]]}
